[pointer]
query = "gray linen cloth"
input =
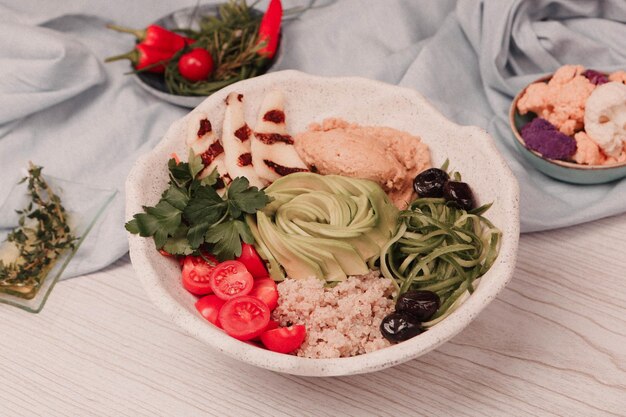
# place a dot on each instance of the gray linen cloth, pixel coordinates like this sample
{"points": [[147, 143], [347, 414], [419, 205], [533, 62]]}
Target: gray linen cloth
{"points": [[60, 107]]}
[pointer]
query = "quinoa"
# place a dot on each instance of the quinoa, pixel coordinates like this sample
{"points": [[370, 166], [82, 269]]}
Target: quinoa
{"points": [[341, 321]]}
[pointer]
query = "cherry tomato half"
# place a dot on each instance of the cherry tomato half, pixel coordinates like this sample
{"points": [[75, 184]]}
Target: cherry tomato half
{"points": [[209, 306], [251, 259], [195, 65], [265, 290], [231, 279], [284, 339], [197, 274], [244, 317]]}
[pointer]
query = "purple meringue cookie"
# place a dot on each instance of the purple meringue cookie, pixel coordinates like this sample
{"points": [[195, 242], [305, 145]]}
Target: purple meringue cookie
{"points": [[542, 136], [595, 77]]}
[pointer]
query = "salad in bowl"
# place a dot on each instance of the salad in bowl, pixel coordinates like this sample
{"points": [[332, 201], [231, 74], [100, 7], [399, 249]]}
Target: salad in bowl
{"points": [[322, 226]]}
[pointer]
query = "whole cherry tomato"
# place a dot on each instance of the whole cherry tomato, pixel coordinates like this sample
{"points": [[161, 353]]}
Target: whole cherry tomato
{"points": [[195, 65], [265, 289], [209, 306], [251, 259]]}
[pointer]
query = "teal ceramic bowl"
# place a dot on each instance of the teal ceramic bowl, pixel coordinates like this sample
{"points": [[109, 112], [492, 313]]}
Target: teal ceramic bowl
{"points": [[561, 170]]}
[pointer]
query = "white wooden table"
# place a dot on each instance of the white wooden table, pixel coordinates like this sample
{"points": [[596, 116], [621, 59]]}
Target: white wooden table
{"points": [[553, 343]]}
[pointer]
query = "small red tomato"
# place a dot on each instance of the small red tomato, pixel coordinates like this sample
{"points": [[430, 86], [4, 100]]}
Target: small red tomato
{"points": [[251, 259], [265, 290], [244, 317], [209, 306], [195, 65], [284, 339], [273, 324], [197, 274], [231, 279]]}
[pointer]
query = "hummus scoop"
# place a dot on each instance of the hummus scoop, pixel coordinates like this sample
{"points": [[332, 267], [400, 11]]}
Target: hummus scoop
{"points": [[389, 157], [605, 117]]}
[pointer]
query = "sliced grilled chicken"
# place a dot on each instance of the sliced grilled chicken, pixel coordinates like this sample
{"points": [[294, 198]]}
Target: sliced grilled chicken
{"points": [[202, 140], [273, 153], [236, 138]]}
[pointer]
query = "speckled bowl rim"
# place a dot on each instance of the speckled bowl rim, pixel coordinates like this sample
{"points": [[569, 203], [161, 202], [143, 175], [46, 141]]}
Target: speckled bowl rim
{"points": [[500, 273], [563, 164]]}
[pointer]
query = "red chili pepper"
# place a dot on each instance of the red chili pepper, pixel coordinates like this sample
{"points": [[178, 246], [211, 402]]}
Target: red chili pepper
{"points": [[145, 57], [269, 30], [157, 37]]}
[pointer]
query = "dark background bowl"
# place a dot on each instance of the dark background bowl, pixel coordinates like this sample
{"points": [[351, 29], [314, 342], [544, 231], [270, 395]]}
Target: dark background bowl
{"points": [[187, 18]]}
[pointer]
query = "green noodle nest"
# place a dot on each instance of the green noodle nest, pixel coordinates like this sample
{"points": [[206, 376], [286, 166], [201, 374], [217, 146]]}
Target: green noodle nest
{"points": [[440, 248]]}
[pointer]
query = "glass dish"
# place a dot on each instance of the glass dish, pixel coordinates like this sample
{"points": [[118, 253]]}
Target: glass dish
{"points": [[84, 205]]}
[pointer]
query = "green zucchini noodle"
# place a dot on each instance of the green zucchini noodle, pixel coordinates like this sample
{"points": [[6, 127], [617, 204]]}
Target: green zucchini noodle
{"points": [[440, 248]]}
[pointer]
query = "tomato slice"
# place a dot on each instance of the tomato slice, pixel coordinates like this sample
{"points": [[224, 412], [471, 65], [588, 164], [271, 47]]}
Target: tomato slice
{"points": [[244, 317], [209, 306], [197, 274], [253, 262], [265, 290], [231, 279], [284, 339]]}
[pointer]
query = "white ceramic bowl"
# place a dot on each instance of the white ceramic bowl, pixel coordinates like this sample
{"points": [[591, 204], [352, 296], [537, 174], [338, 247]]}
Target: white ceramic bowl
{"points": [[470, 150]]}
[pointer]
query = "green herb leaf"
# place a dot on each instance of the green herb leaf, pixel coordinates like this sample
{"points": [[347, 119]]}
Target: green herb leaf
{"points": [[243, 198], [225, 239], [178, 243], [210, 179], [195, 235], [205, 206], [132, 226], [244, 232], [180, 173], [164, 216], [177, 197], [195, 164]]}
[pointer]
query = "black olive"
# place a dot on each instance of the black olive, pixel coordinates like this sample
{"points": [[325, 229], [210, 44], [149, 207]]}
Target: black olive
{"points": [[459, 193], [397, 327], [430, 183], [420, 304]]}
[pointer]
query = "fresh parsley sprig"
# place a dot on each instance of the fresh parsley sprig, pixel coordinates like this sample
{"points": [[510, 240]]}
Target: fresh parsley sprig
{"points": [[191, 215]]}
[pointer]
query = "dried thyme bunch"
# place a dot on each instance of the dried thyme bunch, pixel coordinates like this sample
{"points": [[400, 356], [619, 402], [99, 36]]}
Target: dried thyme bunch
{"points": [[42, 235]]}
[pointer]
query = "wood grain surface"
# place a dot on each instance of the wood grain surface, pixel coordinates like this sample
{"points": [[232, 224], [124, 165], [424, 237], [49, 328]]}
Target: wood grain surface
{"points": [[552, 344]]}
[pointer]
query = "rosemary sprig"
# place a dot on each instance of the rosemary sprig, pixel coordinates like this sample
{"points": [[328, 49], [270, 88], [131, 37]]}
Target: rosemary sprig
{"points": [[232, 39], [42, 236]]}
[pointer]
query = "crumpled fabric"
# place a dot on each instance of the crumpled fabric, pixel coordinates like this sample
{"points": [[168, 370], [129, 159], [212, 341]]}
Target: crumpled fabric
{"points": [[62, 108]]}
